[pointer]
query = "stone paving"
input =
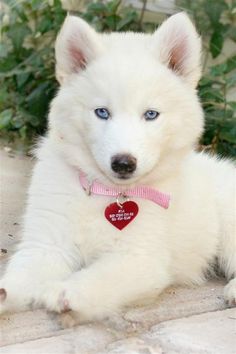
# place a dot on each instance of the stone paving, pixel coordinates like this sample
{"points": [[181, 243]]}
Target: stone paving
{"points": [[182, 320]]}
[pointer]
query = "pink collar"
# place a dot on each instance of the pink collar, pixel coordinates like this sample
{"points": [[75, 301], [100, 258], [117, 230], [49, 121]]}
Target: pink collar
{"points": [[144, 192]]}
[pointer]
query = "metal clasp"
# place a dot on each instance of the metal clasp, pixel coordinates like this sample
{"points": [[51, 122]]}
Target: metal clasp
{"points": [[88, 190], [120, 199]]}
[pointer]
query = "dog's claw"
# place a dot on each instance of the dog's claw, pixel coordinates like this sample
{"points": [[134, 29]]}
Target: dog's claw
{"points": [[3, 294], [63, 303]]}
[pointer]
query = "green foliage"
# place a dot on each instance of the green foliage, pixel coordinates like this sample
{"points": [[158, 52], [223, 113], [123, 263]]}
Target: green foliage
{"points": [[220, 112], [111, 16], [216, 21], [27, 82], [27, 66]]}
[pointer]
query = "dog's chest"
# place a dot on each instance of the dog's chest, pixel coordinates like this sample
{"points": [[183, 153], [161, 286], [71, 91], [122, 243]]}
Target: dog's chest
{"points": [[94, 233]]}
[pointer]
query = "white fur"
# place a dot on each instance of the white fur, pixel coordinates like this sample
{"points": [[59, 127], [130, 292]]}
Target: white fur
{"points": [[70, 256]]}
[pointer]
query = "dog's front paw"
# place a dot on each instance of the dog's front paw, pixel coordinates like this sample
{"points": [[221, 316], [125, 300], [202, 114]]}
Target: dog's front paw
{"points": [[71, 305], [80, 298], [63, 302], [13, 300], [230, 292], [71, 311], [57, 297]]}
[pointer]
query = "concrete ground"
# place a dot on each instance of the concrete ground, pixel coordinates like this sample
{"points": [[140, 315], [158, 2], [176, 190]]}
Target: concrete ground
{"points": [[183, 320]]}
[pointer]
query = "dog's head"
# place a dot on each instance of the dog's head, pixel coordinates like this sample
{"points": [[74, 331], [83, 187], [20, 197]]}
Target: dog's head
{"points": [[127, 102]]}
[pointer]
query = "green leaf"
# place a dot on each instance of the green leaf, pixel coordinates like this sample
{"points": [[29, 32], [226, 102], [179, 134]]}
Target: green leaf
{"points": [[37, 5], [3, 96], [226, 149], [205, 81], [232, 33], [38, 101], [97, 8], [44, 25], [23, 132], [233, 106], [21, 14], [228, 134], [7, 64], [4, 48], [224, 68], [5, 118], [214, 9], [231, 81], [126, 20], [18, 121], [218, 70], [211, 94], [216, 43], [113, 6], [22, 78], [231, 63], [17, 34], [111, 21]]}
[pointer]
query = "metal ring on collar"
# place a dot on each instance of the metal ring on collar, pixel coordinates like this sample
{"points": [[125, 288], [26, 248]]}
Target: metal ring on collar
{"points": [[121, 198]]}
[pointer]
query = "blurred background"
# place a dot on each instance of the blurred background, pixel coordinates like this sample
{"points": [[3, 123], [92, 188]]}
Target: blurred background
{"points": [[27, 81]]}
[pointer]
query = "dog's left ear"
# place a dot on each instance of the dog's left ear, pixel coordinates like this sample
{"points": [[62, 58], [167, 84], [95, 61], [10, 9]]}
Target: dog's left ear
{"points": [[77, 44], [178, 45]]}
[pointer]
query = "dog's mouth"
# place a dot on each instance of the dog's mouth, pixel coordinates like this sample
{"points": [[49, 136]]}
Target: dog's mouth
{"points": [[124, 179], [123, 176]]}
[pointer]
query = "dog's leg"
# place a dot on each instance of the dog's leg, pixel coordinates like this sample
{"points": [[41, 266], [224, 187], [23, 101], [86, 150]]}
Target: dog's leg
{"points": [[230, 292], [229, 266], [111, 282], [227, 258], [29, 276], [226, 194], [227, 246]]}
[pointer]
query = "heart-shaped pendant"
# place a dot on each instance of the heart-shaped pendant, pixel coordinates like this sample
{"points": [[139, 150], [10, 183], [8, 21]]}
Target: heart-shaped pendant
{"points": [[120, 215]]}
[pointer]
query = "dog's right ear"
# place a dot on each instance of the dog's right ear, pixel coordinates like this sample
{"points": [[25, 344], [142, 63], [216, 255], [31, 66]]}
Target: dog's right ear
{"points": [[76, 45]]}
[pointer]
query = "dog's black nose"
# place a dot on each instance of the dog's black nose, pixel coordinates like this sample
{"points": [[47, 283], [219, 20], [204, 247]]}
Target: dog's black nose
{"points": [[123, 164]]}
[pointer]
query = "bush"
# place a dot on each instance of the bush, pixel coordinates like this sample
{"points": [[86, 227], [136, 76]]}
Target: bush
{"points": [[215, 21], [27, 82]]}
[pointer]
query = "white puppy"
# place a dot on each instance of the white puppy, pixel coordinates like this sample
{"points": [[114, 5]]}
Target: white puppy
{"points": [[126, 115]]}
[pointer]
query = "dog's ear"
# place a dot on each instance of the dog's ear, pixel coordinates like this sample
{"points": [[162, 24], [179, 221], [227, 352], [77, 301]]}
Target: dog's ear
{"points": [[76, 45], [178, 45]]}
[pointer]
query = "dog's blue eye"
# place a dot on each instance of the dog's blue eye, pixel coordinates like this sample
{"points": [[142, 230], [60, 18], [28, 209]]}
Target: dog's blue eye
{"points": [[102, 113], [151, 115]]}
